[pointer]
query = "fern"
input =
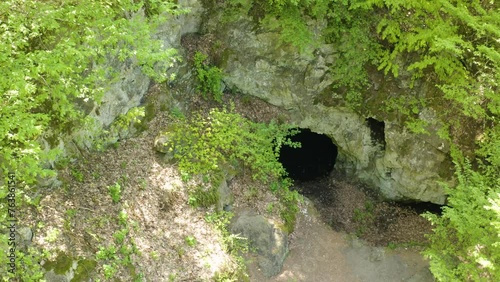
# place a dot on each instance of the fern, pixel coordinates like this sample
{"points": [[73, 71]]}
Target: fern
{"points": [[465, 244]]}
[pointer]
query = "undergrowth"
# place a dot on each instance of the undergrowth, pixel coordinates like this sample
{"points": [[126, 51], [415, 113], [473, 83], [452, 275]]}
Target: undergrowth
{"points": [[221, 141]]}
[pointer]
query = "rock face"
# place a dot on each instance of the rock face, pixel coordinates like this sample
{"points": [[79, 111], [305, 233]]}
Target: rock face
{"points": [[270, 242], [405, 167], [131, 84]]}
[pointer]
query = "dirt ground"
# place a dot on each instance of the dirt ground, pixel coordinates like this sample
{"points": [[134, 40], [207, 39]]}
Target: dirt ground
{"points": [[320, 253], [355, 208]]}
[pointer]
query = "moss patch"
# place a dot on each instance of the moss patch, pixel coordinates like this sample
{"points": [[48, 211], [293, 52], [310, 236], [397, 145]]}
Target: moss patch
{"points": [[61, 265], [64, 262], [84, 270]]}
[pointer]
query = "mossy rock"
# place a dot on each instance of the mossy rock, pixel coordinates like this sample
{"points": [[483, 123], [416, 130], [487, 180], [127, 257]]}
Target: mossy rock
{"points": [[149, 114], [84, 270], [61, 265], [69, 268]]}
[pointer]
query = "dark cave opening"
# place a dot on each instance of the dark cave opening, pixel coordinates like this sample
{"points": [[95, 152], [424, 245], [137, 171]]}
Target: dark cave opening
{"points": [[314, 159], [377, 131]]}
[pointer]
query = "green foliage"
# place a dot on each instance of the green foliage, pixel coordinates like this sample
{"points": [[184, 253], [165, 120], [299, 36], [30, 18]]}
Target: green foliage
{"points": [[349, 30], [202, 197], [490, 147], [118, 254], [353, 98], [363, 217], [120, 127], [289, 201], [455, 40], [52, 235], [28, 261], [177, 113], [209, 77], [408, 108], [289, 17], [465, 245], [124, 121], [70, 214], [115, 192], [190, 241], [120, 235], [204, 145], [53, 55], [123, 218], [78, 175], [293, 29], [108, 253]]}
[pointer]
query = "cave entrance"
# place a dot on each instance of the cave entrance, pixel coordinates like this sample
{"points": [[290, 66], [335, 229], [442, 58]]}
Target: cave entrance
{"points": [[313, 160]]}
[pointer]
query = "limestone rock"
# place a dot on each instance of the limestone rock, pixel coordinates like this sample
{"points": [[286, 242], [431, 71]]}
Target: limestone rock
{"points": [[270, 242], [133, 84], [162, 144], [406, 167], [225, 197], [25, 236]]}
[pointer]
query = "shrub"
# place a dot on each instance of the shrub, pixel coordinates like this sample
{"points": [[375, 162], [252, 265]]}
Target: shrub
{"points": [[208, 145], [115, 192], [205, 145]]}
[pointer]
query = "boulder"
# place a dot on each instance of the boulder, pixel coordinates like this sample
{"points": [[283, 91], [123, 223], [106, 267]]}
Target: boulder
{"points": [[269, 241], [162, 144]]}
